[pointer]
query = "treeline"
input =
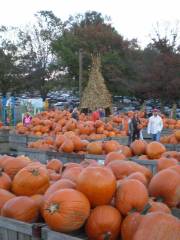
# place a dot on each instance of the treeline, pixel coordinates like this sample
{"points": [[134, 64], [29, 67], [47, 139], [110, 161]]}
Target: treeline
{"points": [[45, 56]]}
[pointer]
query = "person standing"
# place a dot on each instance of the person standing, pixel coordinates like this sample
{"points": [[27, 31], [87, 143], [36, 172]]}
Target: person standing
{"points": [[135, 122], [95, 115], [27, 119], [155, 126], [75, 114]]}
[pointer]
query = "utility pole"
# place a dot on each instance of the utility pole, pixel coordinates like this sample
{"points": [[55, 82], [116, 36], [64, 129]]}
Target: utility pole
{"points": [[80, 72]]}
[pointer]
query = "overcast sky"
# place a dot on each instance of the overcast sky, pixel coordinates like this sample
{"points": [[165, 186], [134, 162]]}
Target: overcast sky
{"points": [[131, 18]]}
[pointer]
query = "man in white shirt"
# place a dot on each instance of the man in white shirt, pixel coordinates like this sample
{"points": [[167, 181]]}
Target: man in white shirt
{"points": [[155, 126]]}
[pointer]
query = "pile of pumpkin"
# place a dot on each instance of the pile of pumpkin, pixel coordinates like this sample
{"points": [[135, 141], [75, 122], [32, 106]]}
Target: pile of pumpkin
{"points": [[118, 198], [171, 139], [55, 122]]}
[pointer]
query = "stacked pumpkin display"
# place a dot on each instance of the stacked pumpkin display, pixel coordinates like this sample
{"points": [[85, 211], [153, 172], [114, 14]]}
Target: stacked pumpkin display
{"points": [[55, 122], [118, 198]]}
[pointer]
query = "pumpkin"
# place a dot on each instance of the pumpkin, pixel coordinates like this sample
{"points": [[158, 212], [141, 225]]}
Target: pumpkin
{"points": [[88, 162], [138, 176], [21, 208], [126, 151], [67, 146], [72, 173], [66, 210], [114, 156], [138, 147], [123, 168], [5, 181], [13, 165], [103, 223], [154, 150], [166, 186], [78, 145], [30, 180], [59, 140], [4, 197], [158, 225], [39, 199], [173, 154], [177, 135], [60, 184], [159, 207], [164, 163], [94, 148], [53, 176], [111, 146], [55, 164], [131, 194], [98, 184]]}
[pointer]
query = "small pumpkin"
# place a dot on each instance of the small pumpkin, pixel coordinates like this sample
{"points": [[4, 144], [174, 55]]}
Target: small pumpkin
{"points": [[55, 164], [154, 150], [5, 180], [4, 197]]}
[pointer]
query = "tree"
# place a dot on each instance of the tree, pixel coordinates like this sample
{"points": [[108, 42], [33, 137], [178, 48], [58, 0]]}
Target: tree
{"points": [[9, 64], [41, 69], [93, 33]]}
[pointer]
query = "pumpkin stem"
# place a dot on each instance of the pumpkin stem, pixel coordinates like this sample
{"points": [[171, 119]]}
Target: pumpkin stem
{"points": [[1, 171], [54, 207], [160, 199], [35, 172], [146, 209], [107, 236]]}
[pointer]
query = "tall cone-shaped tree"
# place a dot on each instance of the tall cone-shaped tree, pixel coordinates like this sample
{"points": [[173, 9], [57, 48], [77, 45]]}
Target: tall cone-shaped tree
{"points": [[96, 94]]}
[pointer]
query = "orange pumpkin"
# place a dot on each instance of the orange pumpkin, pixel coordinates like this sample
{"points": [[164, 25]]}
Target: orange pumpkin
{"points": [[60, 184], [30, 180], [166, 185], [94, 148], [5, 181], [55, 164], [111, 146], [67, 146], [103, 223], [98, 184], [131, 194], [72, 173], [4, 197], [21, 208], [164, 163], [138, 147], [66, 210], [154, 150], [114, 156]]}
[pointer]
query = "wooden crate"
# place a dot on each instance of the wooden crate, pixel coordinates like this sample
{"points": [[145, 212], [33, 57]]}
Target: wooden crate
{"points": [[44, 156], [11, 229], [150, 164], [48, 234]]}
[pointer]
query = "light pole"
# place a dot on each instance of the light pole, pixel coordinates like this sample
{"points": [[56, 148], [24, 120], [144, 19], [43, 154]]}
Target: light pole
{"points": [[80, 72]]}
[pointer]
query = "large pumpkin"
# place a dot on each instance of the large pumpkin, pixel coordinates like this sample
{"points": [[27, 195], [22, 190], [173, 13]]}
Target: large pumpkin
{"points": [[158, 225], [98, 184], [166, 185], [154, 150], [94, 148], [66, 210], [103, 223], [111, 146], [138, 147], [138, 176], [131, 194], [159, 207], [164, 163], [21, 208], [30, 180]]}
